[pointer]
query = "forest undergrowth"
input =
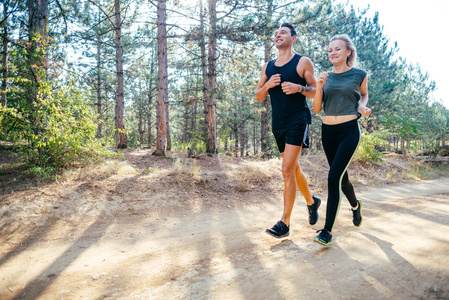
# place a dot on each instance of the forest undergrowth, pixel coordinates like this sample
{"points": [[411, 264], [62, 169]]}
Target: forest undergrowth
{"points": [[221, 172]]}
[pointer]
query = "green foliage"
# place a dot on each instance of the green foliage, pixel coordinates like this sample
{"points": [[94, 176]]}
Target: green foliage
{"points": [[196, 145], [44, 172], [406, 127], [146, 170], [120, 154], [369, 147], [60, 131]]}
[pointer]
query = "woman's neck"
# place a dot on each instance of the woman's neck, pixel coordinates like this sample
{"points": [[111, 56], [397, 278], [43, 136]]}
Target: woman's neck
{"points": [[340, 68]]}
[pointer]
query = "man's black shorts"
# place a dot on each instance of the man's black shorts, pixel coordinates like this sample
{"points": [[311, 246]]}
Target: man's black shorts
{"points": [[297, 135]]}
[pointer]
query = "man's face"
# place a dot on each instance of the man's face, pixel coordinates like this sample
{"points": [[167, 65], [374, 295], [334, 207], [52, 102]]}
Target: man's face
{"points": [[283, 37]]}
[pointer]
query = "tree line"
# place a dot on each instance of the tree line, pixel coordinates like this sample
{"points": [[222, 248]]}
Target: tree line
{"points": [[77, 76]]}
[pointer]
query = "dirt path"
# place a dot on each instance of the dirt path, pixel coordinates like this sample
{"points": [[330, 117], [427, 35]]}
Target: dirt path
{"points": [[400, 252]]}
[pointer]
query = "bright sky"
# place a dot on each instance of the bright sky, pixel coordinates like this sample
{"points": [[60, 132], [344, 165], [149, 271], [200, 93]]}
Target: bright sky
{"points": [[421, 30]]}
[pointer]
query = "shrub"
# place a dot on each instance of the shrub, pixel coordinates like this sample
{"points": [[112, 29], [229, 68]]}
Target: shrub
{"points": [[369, 145], [61, 130], [196, 146]]}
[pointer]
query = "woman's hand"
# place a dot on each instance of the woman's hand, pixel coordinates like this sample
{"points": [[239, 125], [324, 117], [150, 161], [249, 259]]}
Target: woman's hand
{"points": [[321, 80], [364, 111]]}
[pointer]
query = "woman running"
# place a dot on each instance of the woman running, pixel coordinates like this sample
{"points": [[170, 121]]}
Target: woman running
{"points": [[342, 93]]}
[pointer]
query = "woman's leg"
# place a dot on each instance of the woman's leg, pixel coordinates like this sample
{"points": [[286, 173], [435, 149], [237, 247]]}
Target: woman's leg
{"points": [[348, 190], [339, 142]]}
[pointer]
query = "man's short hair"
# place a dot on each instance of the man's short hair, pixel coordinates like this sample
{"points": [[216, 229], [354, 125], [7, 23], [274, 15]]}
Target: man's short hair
{"points": [[292, 29]]}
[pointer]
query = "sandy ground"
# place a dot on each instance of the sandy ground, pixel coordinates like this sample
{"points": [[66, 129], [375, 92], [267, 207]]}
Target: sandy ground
{"points": [[96, 245]]}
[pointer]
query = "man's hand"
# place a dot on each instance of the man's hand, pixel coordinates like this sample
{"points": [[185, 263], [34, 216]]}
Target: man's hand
{"points": [[290, 88], [274, 81]]}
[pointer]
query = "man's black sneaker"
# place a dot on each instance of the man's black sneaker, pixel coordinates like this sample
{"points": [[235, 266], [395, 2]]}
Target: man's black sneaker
{"points": [[313, 210], [279, 230], [324, 238], [357, 215]]}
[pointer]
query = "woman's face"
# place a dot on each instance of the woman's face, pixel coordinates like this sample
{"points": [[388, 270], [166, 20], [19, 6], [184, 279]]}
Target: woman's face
{"points": [[338, 52]]}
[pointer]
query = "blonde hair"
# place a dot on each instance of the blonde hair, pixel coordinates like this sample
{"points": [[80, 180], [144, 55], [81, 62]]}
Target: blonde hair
{"points": [[352, 58]]}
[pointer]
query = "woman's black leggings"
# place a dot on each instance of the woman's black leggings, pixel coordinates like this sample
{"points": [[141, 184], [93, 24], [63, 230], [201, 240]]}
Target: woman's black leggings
{"points": [[340, 142]]}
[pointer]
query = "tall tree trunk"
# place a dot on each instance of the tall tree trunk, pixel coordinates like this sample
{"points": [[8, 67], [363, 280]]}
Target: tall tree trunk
{"points": [[99, 104], [167, 120], [254, 139], [38, 14], [186, 122], [264, 114], [140, 128], [121, 140], [236, 141], [150, 100], [162, 78], [211, 146], [205, 88], [140, 114], [226, 143], [4, 65], [195, 111], [242, 140], [4, 59], [157, 121], [403, 146]]}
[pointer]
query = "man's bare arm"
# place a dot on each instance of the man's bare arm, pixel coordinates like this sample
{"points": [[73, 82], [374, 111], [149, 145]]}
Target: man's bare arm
{"points": [[309, 91], [265, 84]]}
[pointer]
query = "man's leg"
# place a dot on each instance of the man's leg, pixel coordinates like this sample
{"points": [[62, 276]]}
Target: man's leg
{"points": [[303, 186], [289, 165]]}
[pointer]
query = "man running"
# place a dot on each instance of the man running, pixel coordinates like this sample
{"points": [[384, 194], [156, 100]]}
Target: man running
{"points": [[289, 79]]}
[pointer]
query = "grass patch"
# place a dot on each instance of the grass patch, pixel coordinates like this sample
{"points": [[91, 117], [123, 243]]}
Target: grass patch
{"points": [[417, 170], [251, 174], [101, 170], [185, 170]]}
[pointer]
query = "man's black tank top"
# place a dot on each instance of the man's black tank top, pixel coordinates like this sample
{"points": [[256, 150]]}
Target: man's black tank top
{"points": [[288, 110]]}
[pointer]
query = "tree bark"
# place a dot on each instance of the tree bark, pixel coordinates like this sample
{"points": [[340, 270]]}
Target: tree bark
{"points": [[38, 14], [236, 141], [99, 104], [264, 113], [195, 110], [242, 140], [4, 60], [150, 100], [186, 122], [167, 119], [254, 139], [162, 78], [121, 140], [140, 128], [226, 143], [211, 146], [5, 37], [204, 70]]}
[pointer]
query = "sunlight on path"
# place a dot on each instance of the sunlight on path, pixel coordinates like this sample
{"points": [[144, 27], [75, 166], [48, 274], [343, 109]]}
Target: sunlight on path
{"points": [[398, 253]]}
